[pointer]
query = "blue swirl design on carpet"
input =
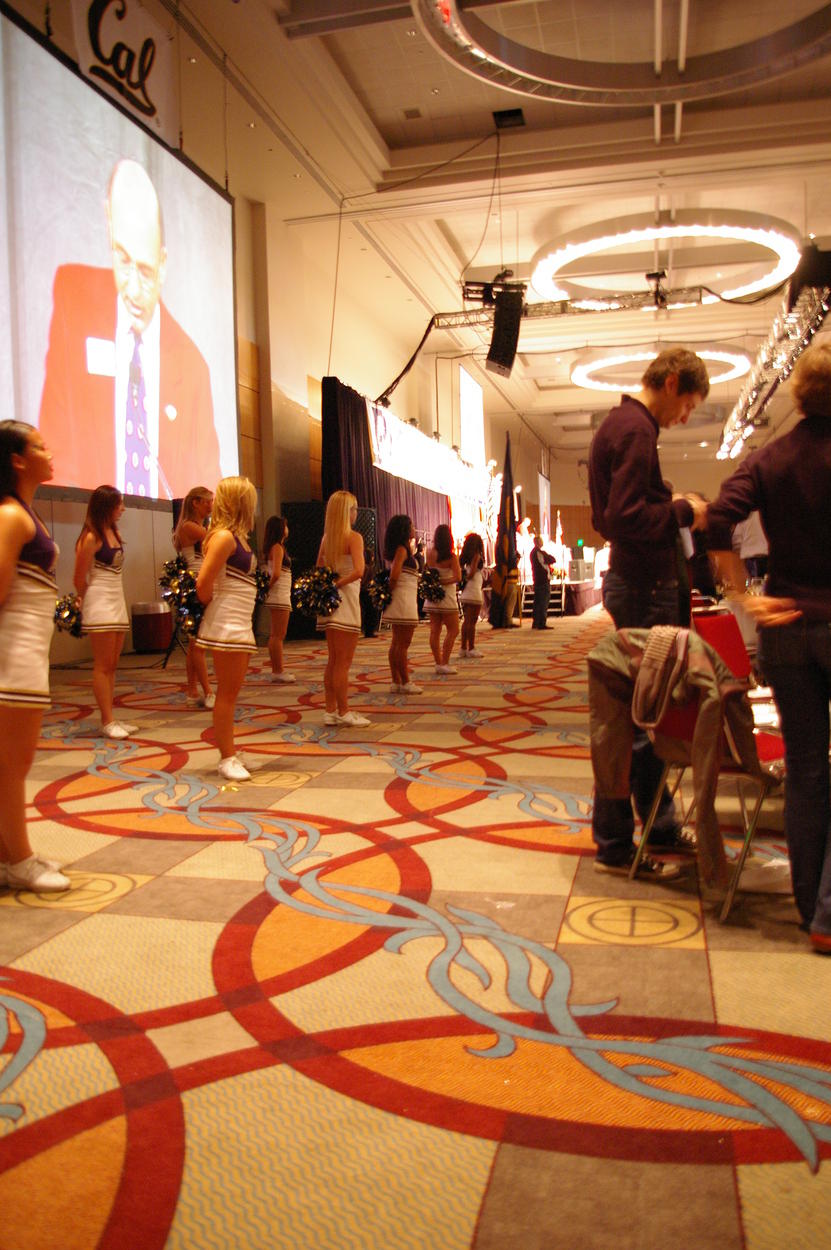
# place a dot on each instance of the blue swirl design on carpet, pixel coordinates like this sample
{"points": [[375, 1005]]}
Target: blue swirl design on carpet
{"points": [[33, 1034], [650, 1061]]}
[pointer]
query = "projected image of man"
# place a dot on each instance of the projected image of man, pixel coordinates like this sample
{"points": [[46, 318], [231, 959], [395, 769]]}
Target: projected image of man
{"points": [[127, 394]]}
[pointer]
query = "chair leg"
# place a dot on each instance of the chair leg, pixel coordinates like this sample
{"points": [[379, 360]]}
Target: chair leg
{"points": [[650, 821], [764, 790]]}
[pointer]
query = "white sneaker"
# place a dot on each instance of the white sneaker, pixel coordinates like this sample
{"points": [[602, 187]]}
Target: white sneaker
{"points": [[353, 718], [201, 700], [245, 759], [284, 679], [330, 718], [395, 688], [209, 700], [473, 654], [114, 730], [411, 688], [446, 670], [36, 875], [232, 770], [129, 729]]}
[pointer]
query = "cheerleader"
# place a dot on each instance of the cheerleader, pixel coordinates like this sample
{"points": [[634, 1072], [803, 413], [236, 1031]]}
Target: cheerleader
{"points": [[278, 602], [402, 612], [27, 609], [445, 611], [227, 585], [188, 536], [99, 563], [472, 560], [341, 549]]}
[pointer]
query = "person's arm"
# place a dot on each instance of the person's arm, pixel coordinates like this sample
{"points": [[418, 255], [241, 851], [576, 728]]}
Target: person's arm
{"points": [[397, 564], [275, 555], [630, 512], [15, 530], [84, 556], [188, 534], [455, 567], [356, 551], [219, 547]]}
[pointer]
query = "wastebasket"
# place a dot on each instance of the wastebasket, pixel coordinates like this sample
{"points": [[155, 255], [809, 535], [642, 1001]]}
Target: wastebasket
{"points": [[152, 626]]}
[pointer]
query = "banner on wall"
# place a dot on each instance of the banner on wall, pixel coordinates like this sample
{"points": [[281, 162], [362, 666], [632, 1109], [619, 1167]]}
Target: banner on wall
{"points": [[403, 450], [130, 56]]}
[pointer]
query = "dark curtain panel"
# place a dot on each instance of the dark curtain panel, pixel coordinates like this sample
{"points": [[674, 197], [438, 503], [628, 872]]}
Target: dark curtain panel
{"points": [[347, 465]]}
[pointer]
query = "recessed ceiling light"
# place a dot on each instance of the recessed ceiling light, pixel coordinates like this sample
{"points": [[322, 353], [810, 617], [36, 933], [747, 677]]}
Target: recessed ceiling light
{"points": [[704, 444], [411, 34], [435, 91], [251, 125], [191, 60]]}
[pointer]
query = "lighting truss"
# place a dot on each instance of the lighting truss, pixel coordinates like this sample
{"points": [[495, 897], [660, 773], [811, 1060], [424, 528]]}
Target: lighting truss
{"points": [[790, 334]]}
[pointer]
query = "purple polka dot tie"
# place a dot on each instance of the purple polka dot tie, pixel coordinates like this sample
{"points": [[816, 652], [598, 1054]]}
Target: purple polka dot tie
{"points": [[136, 446]]}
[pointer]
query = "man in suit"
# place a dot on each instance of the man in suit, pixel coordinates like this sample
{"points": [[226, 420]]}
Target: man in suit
{"points": [[127, 394]]}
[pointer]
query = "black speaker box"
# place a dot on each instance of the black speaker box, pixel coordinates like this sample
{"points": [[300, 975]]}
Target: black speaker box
{"points": [[305, 521], [506, 318]]}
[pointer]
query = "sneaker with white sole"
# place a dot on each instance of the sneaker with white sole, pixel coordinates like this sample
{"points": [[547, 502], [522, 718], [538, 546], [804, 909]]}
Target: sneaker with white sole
{"points": [[773, 876], [113, 730], [649, 869], [284, 679], [411, 688], [330, 718], [473, 654], [446, 670], [354, 719], [201, 700], [129, 729], [395, 687], [230, 769], [36, 875]]}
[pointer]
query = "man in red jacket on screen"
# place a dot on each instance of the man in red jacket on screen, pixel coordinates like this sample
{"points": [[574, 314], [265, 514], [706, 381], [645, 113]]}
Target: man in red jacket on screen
{"points": [[127, 394]]}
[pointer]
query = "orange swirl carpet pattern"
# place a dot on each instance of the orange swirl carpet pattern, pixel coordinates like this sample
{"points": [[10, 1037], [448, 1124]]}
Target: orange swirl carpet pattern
{"points": [[377, 996]]}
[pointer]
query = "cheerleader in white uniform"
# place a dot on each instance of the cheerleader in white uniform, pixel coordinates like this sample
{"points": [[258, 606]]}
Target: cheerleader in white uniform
{"points": [[402, 612], [188, 536], [472, 560], [278, 562], [227, 586], [27, 609], [99, 561], [445, 611], [341, 549]]}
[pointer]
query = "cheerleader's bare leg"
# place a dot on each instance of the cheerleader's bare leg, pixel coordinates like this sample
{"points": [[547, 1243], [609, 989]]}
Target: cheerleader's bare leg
{"points": [[106, 648], [402, 637], [230, 668], [279, 625], [196, 667], [342, 644], [451, 620], [19, 733], [435, 636]]}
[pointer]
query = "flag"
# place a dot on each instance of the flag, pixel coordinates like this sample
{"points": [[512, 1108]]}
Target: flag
{"points": [[504, 576]]}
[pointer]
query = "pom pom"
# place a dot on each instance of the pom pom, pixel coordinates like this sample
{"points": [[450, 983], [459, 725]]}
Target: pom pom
{"points": [[178, 586], [429, 586], [263, 579], [315, 593], [68, 616], [379, 590]]}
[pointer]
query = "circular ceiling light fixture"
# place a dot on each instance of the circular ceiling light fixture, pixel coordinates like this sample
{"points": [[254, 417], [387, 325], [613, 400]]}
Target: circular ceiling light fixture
{"points": [[491, 56], [779, 242], [623, 367]]}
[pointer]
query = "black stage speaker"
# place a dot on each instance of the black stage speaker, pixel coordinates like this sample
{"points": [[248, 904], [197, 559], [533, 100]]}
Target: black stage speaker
{"points": [[506, 318]]}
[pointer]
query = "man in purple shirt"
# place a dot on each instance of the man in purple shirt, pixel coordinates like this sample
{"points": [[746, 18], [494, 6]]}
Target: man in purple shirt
{"points": [[634, 508]]}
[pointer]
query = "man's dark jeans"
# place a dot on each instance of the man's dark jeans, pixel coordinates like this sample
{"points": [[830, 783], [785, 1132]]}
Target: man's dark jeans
{"points": [[542, 594], [613, 824], [796, 662]]}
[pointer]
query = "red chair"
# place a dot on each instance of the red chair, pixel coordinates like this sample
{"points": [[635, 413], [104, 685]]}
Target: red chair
{"points": [[678, 724], [724, 635]]}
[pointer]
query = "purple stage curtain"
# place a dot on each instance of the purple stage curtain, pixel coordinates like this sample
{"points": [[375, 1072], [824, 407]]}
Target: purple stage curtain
{"points": [[347, 465]]}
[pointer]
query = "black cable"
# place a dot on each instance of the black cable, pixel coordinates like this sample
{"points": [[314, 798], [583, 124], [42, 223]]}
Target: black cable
{"points": [[751, 299], [494, 181], [383, 398]]}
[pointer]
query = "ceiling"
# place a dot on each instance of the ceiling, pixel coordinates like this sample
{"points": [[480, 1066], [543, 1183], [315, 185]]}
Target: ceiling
{"points": [[369, 115]]}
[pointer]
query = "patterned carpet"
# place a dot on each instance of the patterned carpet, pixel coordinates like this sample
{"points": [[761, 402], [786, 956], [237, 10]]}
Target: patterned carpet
{"points": [[377, 997]]}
